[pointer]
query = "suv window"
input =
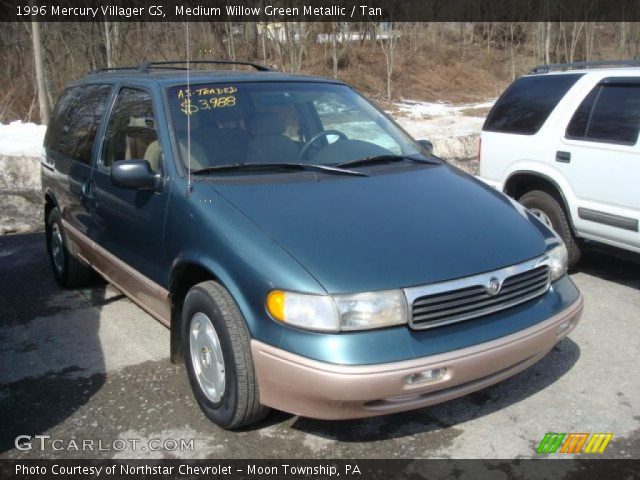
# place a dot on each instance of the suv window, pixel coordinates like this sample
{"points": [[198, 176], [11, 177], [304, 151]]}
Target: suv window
{"points": [[131, 131], [525, 105], [609, 114], [76, 120]]}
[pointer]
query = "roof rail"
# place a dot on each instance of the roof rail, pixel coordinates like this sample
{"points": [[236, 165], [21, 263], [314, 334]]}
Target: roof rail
{"points": [[168, 65], [146, 66], [100, 70], [584, 65]]}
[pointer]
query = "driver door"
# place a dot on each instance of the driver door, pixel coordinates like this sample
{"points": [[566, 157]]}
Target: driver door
{"points": [[129, 224]]}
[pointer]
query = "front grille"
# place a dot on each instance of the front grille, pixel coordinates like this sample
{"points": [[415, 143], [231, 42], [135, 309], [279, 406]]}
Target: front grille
{"points": [[473, 301]]}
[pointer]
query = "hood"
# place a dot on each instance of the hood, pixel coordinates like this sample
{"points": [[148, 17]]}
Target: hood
{"points": [[408, 226]]}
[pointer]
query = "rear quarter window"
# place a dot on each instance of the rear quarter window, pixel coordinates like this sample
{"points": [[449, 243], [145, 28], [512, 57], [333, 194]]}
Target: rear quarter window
{"points": [[527, 103], [75, 121]]}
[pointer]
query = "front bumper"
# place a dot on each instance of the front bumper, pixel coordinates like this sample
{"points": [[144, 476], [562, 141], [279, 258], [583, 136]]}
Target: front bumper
{"points": [[321, 390]]}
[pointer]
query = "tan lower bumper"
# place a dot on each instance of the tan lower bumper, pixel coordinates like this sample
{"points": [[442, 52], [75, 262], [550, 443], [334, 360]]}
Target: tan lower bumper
{"points": [[315, 389]]}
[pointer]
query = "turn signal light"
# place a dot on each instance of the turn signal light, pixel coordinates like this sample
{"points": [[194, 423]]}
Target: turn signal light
{"points": [[275, 304]]}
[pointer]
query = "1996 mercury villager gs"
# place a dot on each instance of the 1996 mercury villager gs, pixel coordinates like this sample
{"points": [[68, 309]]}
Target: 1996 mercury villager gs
{"points": [[305, 252]]}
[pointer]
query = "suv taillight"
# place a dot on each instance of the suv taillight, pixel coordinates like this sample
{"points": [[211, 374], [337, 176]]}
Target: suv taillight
{"points": [[479, 148]]}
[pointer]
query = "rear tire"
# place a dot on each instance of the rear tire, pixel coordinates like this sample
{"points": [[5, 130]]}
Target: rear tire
{"points": [[69, 270], [218, 357], [549, 210]]}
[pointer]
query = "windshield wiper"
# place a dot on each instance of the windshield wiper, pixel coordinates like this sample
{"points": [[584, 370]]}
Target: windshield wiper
{"points": [[278, 166], [385, 159]]}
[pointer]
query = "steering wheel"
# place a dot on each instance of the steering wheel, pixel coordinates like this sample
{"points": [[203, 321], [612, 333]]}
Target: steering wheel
{"points": [[316, 137]]}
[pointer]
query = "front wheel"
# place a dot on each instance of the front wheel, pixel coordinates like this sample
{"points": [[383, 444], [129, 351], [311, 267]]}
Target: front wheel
{"points": [[218, 357], [551, 213]]}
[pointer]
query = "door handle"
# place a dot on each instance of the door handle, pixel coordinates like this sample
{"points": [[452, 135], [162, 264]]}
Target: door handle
{"points": [[87, 189], [563, 157]]}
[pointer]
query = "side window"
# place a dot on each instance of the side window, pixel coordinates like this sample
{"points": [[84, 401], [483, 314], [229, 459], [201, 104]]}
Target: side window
{"points": [[76, 120], [609, 114], [616, 115], [578, 124], [131, 132], [59, 123], [527, 103]]}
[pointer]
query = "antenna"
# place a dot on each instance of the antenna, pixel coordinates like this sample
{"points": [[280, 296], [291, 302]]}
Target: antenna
{"points": [[188, 115]]}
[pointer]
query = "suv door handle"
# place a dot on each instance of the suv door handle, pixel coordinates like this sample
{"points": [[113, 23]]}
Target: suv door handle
{"points": [[564, 157]]}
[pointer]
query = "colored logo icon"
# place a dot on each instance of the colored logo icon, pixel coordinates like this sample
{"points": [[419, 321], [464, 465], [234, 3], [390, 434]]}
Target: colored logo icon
{"points": [[574, 443]]}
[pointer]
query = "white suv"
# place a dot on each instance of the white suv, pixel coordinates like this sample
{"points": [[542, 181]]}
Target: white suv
{"points": [[563, 141]]}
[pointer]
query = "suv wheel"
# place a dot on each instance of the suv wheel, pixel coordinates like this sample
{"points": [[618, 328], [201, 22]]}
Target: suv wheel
{"points": [[218, 357], [68, 269], [551, 213]]}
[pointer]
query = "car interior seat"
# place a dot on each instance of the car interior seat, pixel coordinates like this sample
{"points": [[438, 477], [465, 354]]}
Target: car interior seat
{"points": [[268, 143], [199, 157], [223, 137]]}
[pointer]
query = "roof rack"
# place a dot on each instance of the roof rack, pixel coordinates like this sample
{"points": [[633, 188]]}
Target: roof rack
{"points": [[100, 70], [583, 65], [146, 66], [167, 65]]}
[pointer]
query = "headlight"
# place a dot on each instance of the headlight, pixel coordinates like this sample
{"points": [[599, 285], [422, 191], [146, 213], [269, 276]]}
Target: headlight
{"points": [[315, 312], [339, 312], [558, 259], [371, 310]]}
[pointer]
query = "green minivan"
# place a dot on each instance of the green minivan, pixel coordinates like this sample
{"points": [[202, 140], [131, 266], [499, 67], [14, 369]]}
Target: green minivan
{"points": [[305, 252]]}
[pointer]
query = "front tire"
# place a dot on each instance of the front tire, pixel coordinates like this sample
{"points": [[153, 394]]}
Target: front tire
{"points": [[551, 213], [218, 357], [69, 270]]}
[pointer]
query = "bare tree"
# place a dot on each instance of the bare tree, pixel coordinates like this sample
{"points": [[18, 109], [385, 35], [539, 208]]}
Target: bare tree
{"points": [[387, 40], [547, 42], [589, 34], [623, 35], [38, 58], [293, 46], [231, 45], [570, 47], [111, 37], [340, 33]]}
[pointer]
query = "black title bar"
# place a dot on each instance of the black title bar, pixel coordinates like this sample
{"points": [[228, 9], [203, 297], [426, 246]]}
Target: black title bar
{"points": [[320, 10], [316, 469]]}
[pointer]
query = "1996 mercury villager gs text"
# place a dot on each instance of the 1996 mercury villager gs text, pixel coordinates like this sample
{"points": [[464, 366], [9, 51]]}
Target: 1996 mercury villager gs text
{"points": [[305, 252]]}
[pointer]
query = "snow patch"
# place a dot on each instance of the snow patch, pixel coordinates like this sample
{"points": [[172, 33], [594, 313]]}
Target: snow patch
{"points": [[21, 139], [417, 109], [453, 129]]}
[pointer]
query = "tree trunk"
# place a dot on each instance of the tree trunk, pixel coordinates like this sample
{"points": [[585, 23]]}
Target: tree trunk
{"points": [[231, 47], [107, 43], [575, 36], [513, 52], [45, 109], [547, 43], [623, 34], [334, 48]]}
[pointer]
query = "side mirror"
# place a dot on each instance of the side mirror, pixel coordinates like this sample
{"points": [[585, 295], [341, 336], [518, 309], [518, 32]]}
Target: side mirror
{"points": [[427, 145], [134, 175]]}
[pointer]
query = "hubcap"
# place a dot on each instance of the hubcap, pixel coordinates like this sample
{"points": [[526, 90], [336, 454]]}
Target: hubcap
{"points": [[57, 250], [543, 217], [206, 357]]}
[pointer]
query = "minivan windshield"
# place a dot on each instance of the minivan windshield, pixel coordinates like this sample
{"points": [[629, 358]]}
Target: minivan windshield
{"points": [[311, 123]]}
